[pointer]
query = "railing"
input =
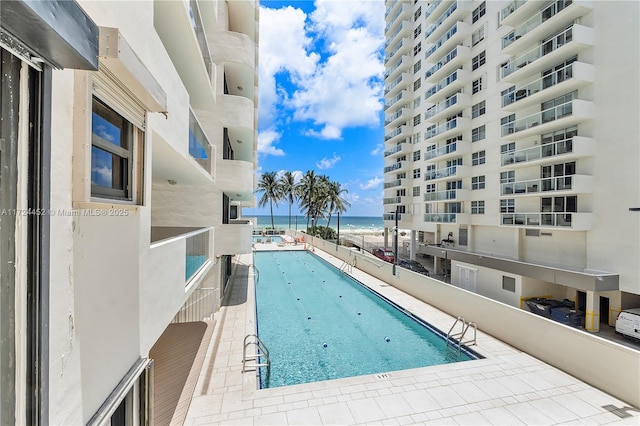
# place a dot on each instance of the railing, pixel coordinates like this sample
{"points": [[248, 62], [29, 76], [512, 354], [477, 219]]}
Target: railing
{"points": [[392, 36], [535, 86], [200, 306], [443, 150], [537, 52], [199, 146], [393, 150], [449, 194], [511, 8], [535, 21], [559, 183], [442, 84], [440, 217], [564, 146], [393, 100], [395, 50], [197, 252], [437, 174], [537, 219], [393, 167], [196, 23], [393, 67], [393, 84], [542, 117], [392, 184], [392, 21], [442, 40], [394, 133], [444, 61], [390, 118], [431, 28], [391, 216], [428, 11], [451, 124], [441, 106], [392, 200]]}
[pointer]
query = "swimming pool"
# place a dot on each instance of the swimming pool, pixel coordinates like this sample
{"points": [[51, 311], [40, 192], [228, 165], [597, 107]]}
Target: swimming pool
{"points": [[320, 324]]}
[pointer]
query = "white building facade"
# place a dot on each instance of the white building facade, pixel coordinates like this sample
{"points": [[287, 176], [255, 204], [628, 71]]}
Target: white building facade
{"points": [[511, 147], [129, 136]]}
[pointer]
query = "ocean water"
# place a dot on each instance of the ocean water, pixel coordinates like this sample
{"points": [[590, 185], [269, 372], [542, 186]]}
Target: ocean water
{"points": [[373, 223]]}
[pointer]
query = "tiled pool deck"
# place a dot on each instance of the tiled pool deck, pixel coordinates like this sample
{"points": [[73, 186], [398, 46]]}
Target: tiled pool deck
{"points": [[508, 387]]}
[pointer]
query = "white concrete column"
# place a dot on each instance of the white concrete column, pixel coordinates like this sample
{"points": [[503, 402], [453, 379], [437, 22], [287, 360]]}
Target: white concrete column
{"points": [[386, 237], [413, 246], [592, 314]]}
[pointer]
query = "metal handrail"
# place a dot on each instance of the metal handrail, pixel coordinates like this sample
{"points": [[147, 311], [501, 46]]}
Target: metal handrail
{"points": [[261, 352], [451, 338]]}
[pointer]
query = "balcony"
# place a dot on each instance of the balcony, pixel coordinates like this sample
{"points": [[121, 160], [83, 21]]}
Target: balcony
{"points": [[235, 176], [563, 150], [564, 221], [392, 200], [403, 80], [550, 52], [403, 113], [446, 151], [448, 172], [395, 166], [393, 104], [234, 237], [448, 128], [403, 14], [404, 46], [550, 86], [395, 150], [238, 54], [452, 60], [553, 18], [200, 148], [397, 134], [563, 115], [574, 184], [402, 64], [448, 195], [455, 36], [460, 218], [447, 86], [436, 8], [448, 107], [180, 252], [403, 30], [391, 8], [518, 11], [393, 184], [456, 12]]}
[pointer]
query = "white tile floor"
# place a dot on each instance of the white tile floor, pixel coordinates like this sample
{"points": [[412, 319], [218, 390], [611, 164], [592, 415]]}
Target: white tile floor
{"points": [[508, 387]]}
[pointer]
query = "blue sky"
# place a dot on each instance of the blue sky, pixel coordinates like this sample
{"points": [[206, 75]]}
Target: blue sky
{"points": [[321, 104]]}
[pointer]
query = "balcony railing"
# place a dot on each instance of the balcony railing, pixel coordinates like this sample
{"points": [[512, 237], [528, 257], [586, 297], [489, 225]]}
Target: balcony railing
{"points": [[394, 150], [535, 21], [431, 28], [394, 133], [391, 216], [199, 146], [441, 217], [542, 117], [449, 194], [197, 252], [394, 100], [560, 183], [196, 23], [200, 306], [395, 50], [562, 220], [442, 84], [392, 200], [540, 84], [442, 173], [511, 8], [564, 146], [441, 106], [392, 184], [394, 83], [449, 125], [428, 11], [393, 117], [444, 61], [443, 150], [442, 40], [537, 52], [404, 8], [391, 37], [393, 67], [393, 167]]}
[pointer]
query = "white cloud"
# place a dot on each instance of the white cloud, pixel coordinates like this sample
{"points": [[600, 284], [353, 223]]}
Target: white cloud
{"points": [[327, 163], [297, 174], [372, 183], [377, 150], [344, 88], [266, 139], [352, 197]]}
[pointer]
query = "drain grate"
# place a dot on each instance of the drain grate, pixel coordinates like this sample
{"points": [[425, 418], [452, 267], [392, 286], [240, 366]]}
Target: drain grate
{"points": [[383, 376], [620, 412]]}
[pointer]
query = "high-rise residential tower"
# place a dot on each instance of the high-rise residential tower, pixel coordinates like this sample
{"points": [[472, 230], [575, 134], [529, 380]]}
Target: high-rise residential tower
{"points": [[512, 146]]}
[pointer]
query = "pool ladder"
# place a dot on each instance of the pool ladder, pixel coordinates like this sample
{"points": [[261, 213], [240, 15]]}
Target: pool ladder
{"points": [[347, 266], [258, 359], [256, 272], [451, 338]]}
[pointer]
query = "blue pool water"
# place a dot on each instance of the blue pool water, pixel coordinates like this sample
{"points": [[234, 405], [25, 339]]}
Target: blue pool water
{"points": [[274, 239], [319, 324]]}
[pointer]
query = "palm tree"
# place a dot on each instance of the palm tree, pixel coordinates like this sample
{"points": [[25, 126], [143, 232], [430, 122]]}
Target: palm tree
{"points": [[306, 189], [335, 200], [287, 184], [271, 192]]}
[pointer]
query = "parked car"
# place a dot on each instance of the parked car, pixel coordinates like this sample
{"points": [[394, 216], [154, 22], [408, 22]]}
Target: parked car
{"points": [[628, 323], [384, 254], [413, 265]]}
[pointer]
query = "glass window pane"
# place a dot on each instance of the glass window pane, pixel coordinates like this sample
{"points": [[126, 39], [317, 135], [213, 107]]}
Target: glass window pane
{"points": [[107, 170], [108, 125]]}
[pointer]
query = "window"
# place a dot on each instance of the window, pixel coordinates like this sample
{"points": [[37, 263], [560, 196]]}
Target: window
{"points": [[477, 182], [401, 192], [417, 48], [416, 155], [402, 175], [509, 284], [416, 173], [478, 158], [478, 133], [559, 204], [508, 177], [417, 66], [477, 36], [508, 205], [115, 148], [508, 124], [456, 184], [416, 120], [417, 13], [476, 85], [431, 187], [415, 138], [478, 109], [477, 207], [416, 102], [417, 31], [417, 84], [478, 12], [478, 60], [507, 148], [416, 191]]}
